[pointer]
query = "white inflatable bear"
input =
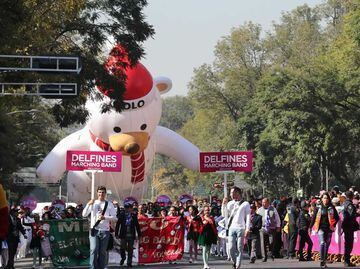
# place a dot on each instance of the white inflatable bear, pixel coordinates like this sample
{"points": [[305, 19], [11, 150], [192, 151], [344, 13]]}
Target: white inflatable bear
{"points": [[134, 132]]}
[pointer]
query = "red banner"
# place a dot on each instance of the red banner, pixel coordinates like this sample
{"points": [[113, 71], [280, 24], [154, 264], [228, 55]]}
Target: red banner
{"points": [[161, 239], [240, 161]]}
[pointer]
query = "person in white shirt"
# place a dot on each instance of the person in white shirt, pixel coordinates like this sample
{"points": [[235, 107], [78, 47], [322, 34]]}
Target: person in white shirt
{"points": [[271, 225], [238, 223], [99, 227], [25, 243]]}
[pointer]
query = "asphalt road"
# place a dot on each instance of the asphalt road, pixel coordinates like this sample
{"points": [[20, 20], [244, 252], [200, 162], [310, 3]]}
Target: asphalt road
{"points": [[215, 263]]}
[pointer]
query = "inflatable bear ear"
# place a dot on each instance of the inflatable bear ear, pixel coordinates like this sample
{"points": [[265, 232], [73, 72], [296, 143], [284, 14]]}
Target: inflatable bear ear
{"points": [[163, 84]]}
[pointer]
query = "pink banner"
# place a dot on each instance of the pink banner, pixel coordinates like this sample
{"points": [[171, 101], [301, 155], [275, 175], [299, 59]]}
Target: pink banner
{"points": [[93, 160], [240, 161], [337, 241]]}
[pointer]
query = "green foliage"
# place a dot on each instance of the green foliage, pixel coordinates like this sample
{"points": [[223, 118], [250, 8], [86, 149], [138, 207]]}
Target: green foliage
{"points": [[210, 131], [292, 96], [239, 62], [83, 28], [177, 110], [27, 133]]}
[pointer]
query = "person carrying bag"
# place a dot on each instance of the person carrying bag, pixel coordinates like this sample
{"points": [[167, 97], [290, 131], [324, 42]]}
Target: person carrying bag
{"points": [[93, 229], [102, 213]]}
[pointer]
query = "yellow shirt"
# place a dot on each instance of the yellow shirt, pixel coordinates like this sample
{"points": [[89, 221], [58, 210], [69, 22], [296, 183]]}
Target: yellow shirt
{"points": [[286, 220]]}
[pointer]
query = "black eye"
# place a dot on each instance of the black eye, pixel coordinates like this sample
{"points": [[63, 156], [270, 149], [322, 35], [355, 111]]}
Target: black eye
{"points": [[143, 127], [117, 129]]}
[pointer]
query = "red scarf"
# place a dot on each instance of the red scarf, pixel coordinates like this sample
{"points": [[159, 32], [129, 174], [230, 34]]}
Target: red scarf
{"points": [[137, 160]]}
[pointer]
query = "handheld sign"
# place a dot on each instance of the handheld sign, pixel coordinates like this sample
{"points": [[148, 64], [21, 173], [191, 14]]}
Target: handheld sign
{"points": [[130, 200], [29, 201], [239, 161], [93, 160], [185, 197], [163, 200], [59, 205]]}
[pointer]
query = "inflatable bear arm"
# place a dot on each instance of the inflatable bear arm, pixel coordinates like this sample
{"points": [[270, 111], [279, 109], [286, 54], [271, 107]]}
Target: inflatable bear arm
{"points": [[54, 165], [175, 146]]}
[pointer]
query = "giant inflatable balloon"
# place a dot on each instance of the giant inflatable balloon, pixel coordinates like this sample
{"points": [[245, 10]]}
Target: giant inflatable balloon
{"points": [[4, 213], [135, 132]]}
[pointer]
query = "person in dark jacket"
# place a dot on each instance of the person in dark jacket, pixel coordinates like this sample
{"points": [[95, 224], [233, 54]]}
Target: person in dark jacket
{"points": [[304, 226], [128, 230], [13, 238], [349, 226], [256, 225], [281, 209], [293, 212]]}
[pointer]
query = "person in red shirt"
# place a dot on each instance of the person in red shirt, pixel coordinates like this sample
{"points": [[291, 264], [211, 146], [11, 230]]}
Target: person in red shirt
{"points": [[208, 234]]}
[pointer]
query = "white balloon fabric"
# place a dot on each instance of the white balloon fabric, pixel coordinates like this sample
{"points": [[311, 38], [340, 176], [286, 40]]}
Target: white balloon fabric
{"points": [[134, 132]]}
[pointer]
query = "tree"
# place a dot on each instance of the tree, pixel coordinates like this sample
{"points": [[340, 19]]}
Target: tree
{"points": [[27, 133], [83, 28], [296, 39], [301, 117], [239, 62], [177, 110]]}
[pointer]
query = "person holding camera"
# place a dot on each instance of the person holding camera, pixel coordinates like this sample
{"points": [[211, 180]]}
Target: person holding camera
{"points": [[102, 213]]}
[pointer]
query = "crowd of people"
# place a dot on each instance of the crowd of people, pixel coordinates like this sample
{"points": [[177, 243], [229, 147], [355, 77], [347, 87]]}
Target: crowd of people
{"points": [[269, 228], [28, 233]]}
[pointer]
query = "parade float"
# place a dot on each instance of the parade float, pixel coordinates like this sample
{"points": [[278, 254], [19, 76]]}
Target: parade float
{"points": [[135, 132]]}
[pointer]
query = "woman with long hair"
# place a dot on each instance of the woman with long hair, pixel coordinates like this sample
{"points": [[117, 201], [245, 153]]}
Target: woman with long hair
{"points": [[324, 219], [208, 234], [193, 224]]}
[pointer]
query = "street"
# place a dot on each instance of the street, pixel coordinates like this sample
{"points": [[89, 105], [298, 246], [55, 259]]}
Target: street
{"points": [[214, 264]]}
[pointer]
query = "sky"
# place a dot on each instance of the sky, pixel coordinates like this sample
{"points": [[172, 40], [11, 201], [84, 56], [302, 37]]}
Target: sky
{"points": [[188, 30]]}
